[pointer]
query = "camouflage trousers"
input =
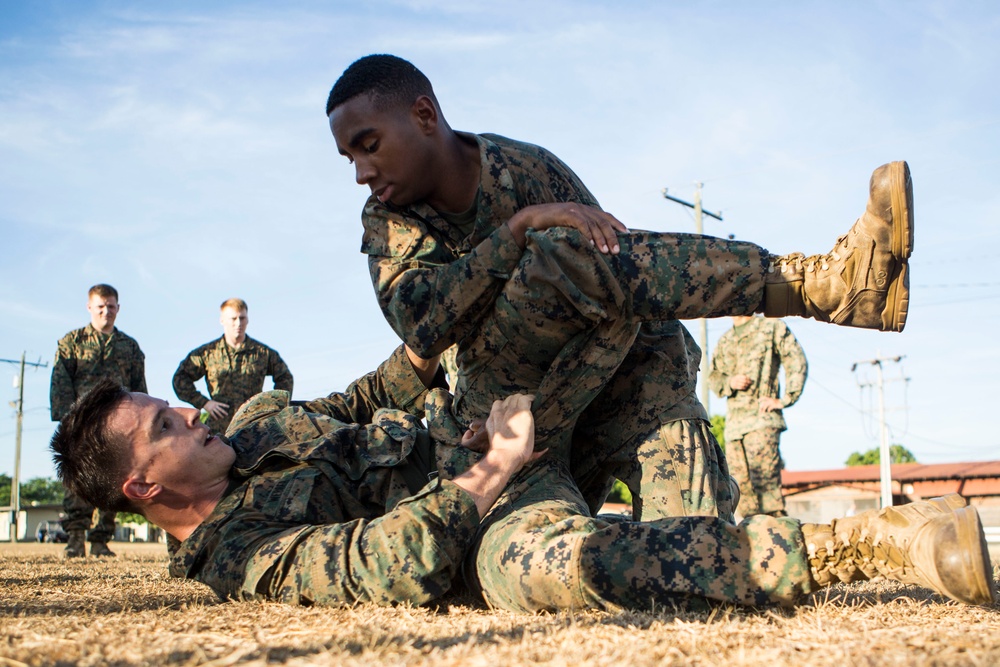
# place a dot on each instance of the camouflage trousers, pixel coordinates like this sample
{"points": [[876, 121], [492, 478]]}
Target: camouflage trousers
{"points": [[588, 334], [756, 464], [540, 549], [80, 516]]}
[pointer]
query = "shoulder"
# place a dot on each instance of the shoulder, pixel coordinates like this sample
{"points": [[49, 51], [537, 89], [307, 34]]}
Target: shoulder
{"points": [[519, 153], [207, 348], [390, 231], [776, 327], [73, 336], [257, 345], [126, 339]]}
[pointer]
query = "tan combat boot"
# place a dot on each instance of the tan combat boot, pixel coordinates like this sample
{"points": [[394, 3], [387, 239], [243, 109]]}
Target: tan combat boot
{"points": [[76, 547], [863, 281], [101, 549], [920, 543]]}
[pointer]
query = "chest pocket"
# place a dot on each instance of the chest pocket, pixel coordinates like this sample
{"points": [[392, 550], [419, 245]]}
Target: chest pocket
{"points": [[284, 495]]}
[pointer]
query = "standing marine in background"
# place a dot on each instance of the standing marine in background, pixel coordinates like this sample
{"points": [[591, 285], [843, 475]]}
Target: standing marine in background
{"points": [[234, 368], [83, 358], [745, 372]]}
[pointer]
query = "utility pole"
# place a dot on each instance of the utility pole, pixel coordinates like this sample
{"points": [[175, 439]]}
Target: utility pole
{"points": [[885, 469], [698, 211], [15, 483]]}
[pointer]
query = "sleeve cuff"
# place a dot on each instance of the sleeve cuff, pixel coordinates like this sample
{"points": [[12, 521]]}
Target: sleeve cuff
{"points": [[402, 383]]}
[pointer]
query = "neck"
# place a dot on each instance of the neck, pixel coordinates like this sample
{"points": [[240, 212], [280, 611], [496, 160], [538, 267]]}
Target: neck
{"points": [[235, 342], [179, 515], [459, 168], [104, 330]]}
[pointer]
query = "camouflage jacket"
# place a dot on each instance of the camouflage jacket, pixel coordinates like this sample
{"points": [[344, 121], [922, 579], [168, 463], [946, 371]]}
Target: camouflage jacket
{"points": [[233, 375], [757, 349], [86, 356], [435, 282], [329, 501]]}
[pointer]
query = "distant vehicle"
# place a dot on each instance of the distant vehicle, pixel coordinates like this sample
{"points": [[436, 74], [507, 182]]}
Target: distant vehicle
{"points": [[50, 531]]}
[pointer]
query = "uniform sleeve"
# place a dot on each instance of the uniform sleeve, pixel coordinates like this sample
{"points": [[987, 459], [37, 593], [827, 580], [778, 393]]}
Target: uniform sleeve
{"points": [[793, 360], [137, 372], [429, 304], [278, 370], [393, 385], [61, 389], [410, 555], [718, 376], [432, 302], [190, 370]]}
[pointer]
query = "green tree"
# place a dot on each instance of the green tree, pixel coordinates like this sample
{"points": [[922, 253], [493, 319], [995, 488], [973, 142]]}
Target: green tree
{"points": [[41, 490], [620, 493], [719, 430], [897, 454]]}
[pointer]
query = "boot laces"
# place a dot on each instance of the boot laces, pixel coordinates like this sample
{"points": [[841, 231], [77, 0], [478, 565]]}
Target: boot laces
{"points": [[799, 262], [875, 551]]}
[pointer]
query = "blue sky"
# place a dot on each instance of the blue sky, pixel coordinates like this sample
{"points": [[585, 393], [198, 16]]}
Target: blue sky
{"points": [[179, 151]]}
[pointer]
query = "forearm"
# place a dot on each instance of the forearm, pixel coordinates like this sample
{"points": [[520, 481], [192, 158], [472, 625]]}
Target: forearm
{"points": [[485, 480], [184, 387], [395, 384], [430, 306]]}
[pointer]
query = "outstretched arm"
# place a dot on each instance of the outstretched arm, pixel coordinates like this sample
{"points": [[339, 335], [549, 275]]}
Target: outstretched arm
{"points": [[510, 429], [399, 383]]}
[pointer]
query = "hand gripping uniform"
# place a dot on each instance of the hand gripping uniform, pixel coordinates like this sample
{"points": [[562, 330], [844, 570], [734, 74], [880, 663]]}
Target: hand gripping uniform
{"points": [[436, 281]]}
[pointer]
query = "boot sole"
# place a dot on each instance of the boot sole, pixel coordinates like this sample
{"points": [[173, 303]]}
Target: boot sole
{"points": [[898, 298]]}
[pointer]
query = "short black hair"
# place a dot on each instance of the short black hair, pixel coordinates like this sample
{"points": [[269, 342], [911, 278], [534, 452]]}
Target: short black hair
{"points": [[92, 460], [390, 80]]}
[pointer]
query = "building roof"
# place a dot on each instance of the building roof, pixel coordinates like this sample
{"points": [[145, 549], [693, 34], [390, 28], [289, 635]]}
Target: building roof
{"points": [[977, 478]]}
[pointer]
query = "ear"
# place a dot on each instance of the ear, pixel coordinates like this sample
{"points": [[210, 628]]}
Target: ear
{"points": [[138, 489], [426, 114]]}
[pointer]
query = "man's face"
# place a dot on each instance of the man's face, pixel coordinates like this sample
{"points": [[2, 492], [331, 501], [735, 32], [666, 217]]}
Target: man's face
{"points": [[234, 323], [170, 445], [103, 311], [390, 149]]}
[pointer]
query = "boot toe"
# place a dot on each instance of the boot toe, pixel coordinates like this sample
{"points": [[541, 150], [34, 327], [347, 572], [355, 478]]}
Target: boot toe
{"points": [[961, 560]]}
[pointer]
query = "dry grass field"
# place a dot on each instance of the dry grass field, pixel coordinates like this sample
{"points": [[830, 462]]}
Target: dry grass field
{"points": [[127, 611]]}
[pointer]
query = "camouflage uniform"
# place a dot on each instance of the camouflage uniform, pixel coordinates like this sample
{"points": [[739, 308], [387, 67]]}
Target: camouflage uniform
{"points": [[757, 349], [563, 323], [436, 281], [233, 375], [325, 511], [330, 501], [83, 358]]}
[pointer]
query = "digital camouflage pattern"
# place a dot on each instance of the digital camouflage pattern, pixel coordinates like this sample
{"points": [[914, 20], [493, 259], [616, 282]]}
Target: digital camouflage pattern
{"points": [[540, 548], [541, 551], [758, 349], [436, 284], [233, 375], [755, 463], [312, 518], [330, 501], [84, 357]]}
